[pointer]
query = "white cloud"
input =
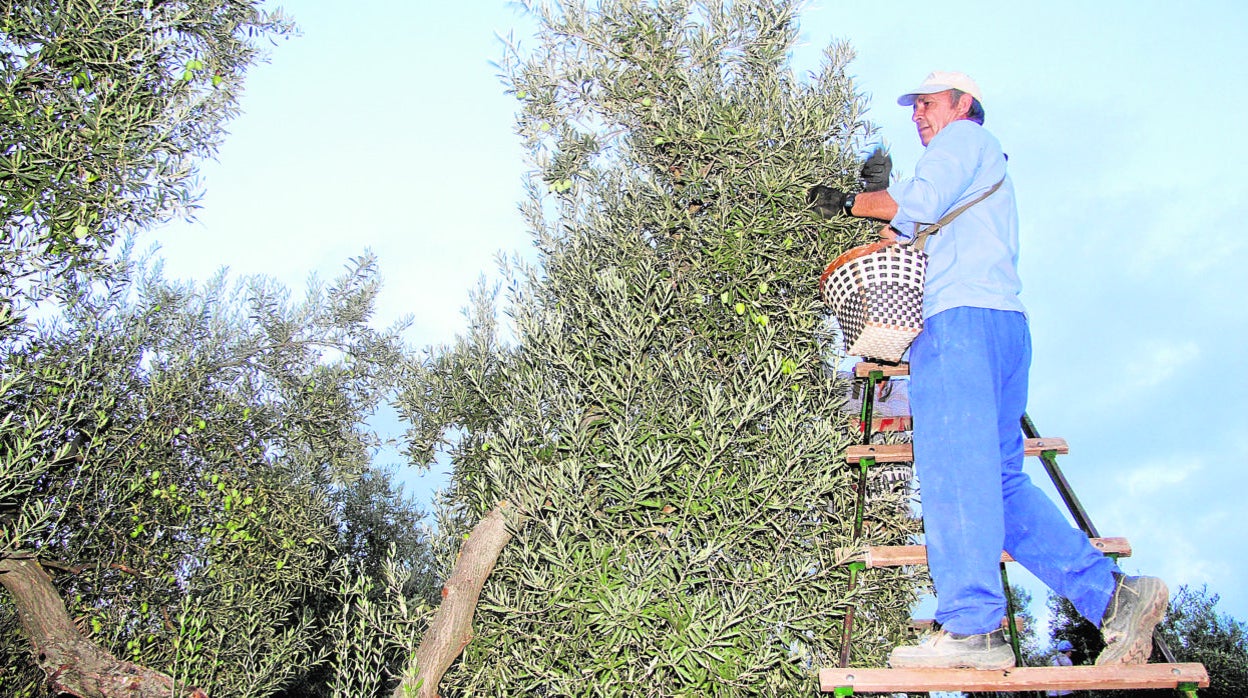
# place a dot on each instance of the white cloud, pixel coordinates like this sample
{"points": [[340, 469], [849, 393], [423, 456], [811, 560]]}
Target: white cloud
{"points": [[1182, 515], [1161, 477], [1149, 366], [1158, 362], [1176, 245]]}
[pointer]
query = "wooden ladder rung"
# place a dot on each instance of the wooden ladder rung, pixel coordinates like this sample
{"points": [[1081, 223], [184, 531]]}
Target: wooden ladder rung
{"points": [[902, 555], [862, 369], [1073, 678], [904, 453]]}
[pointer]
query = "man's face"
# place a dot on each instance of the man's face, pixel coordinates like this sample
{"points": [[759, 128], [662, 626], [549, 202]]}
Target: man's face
{"points": [[935, 111]]}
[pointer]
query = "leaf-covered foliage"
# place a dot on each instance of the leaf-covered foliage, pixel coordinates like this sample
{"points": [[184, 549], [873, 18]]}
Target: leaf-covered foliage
{"points": [[1197, 631], [1025, 619], [663, 407], [194, 464], [105, 109]]}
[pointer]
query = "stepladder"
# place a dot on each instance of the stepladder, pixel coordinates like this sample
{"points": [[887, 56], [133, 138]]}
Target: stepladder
{"points": [[871, 381]]}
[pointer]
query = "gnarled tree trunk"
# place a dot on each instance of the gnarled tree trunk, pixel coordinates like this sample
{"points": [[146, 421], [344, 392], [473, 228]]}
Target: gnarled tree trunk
{"points": [[75, 665]]}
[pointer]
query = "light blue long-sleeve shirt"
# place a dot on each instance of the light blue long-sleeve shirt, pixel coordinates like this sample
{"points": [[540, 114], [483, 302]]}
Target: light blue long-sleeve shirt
{"points": [[973, 261]]}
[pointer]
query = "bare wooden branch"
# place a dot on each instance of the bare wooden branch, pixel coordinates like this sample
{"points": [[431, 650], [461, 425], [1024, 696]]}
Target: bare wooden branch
{"points": [[451, 628], [75, 665], [79, 569]]}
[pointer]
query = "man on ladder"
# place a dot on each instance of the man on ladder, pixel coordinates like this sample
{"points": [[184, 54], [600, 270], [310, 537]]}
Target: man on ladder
{"points": [[968, 391]]}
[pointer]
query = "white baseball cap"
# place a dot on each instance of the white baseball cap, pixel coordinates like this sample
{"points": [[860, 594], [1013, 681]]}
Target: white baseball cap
{"points": [[939, 81]]}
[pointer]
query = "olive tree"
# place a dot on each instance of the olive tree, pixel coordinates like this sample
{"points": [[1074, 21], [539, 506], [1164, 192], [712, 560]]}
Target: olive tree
{"points": [[649, 494], [186, 496], [183, 469], [105, 109]]}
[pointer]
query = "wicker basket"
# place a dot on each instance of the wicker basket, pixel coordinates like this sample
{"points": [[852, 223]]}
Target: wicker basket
{"points": [[876, 293]]}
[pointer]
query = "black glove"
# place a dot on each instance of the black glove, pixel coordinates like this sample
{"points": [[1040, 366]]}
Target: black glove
{"points": [[877, 170], [826, 201]]}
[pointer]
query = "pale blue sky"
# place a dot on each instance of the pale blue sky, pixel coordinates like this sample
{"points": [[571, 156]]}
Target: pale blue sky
{"points": [[384, 126]]}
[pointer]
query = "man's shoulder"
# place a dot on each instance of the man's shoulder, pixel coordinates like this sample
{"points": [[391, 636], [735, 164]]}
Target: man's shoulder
{"points": [[966, 130], [962, 139]]}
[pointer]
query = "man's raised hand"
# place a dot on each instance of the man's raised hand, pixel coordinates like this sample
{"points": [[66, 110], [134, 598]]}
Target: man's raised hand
{"points": [[877, 170]]}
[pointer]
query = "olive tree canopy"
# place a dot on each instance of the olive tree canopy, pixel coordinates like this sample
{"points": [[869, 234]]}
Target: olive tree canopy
{"points": [[106, 107], [654, 445]]}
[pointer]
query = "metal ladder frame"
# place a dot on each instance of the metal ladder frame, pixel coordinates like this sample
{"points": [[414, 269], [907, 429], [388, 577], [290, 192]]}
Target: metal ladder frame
{"points": [[1064, 489]]}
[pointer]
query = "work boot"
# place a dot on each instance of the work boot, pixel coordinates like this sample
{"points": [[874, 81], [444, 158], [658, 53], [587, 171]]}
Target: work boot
{"points": [[946, 650], [1138, 604]]}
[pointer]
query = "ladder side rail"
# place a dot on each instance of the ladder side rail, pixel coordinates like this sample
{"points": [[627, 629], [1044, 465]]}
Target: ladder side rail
{"points": [[1061, 483], [872, 379], [1011, 617]]}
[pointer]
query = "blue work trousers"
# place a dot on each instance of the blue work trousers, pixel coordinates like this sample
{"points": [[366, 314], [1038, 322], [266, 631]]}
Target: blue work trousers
{"points": [[968, 391]]}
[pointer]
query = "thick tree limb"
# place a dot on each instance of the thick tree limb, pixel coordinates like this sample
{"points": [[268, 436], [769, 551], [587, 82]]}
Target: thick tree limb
{"points": [[75, 665], [451, 628], [79, 569]]}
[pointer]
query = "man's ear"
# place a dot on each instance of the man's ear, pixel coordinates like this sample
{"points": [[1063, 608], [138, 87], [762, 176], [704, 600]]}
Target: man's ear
{"points": [[965, 102]]}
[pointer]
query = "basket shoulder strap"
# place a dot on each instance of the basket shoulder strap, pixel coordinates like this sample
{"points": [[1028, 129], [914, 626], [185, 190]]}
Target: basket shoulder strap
{"points": [[920, 236]]}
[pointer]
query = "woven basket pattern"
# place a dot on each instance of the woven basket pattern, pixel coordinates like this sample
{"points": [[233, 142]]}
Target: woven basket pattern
{"points": [[878, 299]]}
